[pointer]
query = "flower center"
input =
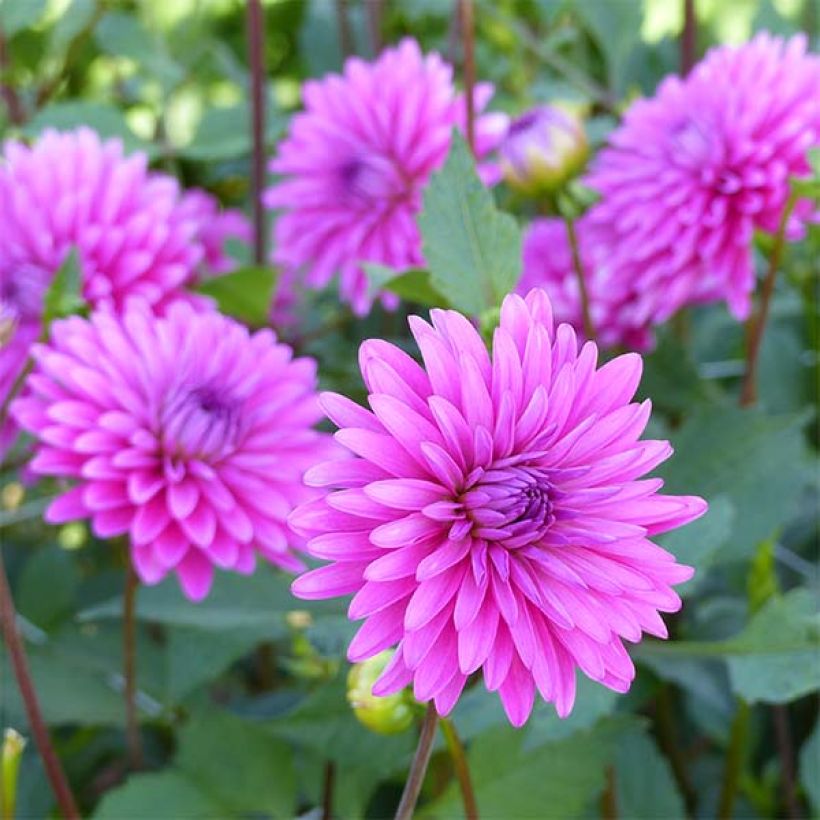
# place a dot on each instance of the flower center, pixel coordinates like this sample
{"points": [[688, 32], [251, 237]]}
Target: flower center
{"points": [[511, 505], [200, 422], [22, 291], [370, 180]]}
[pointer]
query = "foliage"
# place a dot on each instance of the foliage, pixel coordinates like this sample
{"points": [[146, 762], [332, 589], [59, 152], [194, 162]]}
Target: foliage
{"points": [[242, 697]]}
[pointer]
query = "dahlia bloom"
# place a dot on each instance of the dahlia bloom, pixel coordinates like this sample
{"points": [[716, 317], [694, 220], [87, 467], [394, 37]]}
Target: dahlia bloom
{"points": [[543, 148], [494, 517], [184, 432], [356, 161], [695, 170], [548, 264]]}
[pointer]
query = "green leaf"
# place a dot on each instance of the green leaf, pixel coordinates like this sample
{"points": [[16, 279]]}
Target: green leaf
{"points": [[756, 461], [224, 133], [473, 250], [698, 544], [644, 785], [106, 120], [235, 601], [558, 779], [142, 794], [810, 768], [245, 294], [15, 15], [47, 588], [412, 285], [64, 294], [239, 764], [773, 659]]}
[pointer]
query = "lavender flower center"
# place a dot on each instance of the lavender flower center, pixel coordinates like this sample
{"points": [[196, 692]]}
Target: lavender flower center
{"points": [[200, 422], [511, 505], [22, 291], [370, 180]]}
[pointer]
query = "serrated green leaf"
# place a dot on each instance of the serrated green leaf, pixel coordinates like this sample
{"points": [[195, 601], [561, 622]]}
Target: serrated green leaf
{"points": [[244, 294], [142, 794], [412, 285], [473, 249], [644, 785], [558, 779], [757, 461], [64, 294], [239, 764]]}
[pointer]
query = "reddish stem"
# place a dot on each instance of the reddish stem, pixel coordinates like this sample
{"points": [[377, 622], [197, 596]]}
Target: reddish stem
{"points": [[688, 39], [256, 52], [468, 39]]}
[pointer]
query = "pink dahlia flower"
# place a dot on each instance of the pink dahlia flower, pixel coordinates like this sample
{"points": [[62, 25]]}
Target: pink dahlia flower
{"points": [[356, 161], [495, 517], [695, 170], [185, 432], [548, 264]]}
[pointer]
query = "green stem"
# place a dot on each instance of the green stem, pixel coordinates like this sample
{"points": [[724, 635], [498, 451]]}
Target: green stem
{"points": [[757, 324], [456, 749], [418, 768], [734, 761], [578, 267]]}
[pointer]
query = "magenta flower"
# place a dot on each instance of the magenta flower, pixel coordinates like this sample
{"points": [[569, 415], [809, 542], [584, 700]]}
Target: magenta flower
{"points": [[543, 148], [695, 170], [548, 264], [494, 518], [185, 432], [356, 161]]}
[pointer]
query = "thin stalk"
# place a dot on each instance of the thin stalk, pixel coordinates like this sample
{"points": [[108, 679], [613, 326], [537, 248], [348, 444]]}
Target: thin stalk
{"points": [[456, 749], [688, 38], [734, 761], [375, 15], [256, 54], [14, 105], [22, 674], [129, 667], [343, 26], [327, 790], [418, 768], [468, 40], [757, 323], [578, 267], [785, 750], [671, 747], [609, 797]]}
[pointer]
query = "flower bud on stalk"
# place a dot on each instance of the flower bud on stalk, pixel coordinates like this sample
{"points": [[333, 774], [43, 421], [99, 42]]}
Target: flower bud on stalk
{"points": [[13, 745], [388, 715], [543, 149]]}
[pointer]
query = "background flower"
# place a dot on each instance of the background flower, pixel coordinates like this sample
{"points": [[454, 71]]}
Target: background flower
{"points": [[185, 432], [495, 518], [356, 160], [547, 259], [693, 171]]}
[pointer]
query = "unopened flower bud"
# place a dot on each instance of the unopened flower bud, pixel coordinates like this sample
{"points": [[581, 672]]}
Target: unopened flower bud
{"points": [[543, 149], [12, 750], [388, 715]]}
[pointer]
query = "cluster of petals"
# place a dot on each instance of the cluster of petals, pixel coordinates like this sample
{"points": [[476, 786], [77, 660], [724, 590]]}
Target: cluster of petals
{"points": [[356, 161], [695, 170], [184, 432], [495, 517], [548, 264]]}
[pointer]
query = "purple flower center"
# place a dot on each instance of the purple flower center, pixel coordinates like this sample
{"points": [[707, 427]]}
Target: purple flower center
{"points": [[524, 122], [510, 504], [200, 422], [22, 291], [371, 180]]}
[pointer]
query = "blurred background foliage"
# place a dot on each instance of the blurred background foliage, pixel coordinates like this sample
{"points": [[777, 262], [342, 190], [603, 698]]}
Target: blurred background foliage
{"points": [[242, 697]]}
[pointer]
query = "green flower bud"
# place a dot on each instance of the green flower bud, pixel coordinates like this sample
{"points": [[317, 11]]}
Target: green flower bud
{"points": [[388, 715], [13, 746]]}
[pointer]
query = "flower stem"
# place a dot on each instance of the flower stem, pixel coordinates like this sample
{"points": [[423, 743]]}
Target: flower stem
{"points": [[578, 267], [757, 323], [418, 768], [468, 39], [456, 748], [688, 39], [780, 715], [734, 761], [343, 26], [256, 53], [129, 668], [19, 662], [609, 798], [327, 790]]}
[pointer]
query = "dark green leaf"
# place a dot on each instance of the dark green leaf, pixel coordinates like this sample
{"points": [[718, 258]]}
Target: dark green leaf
{"points": [[142, 795], [412, 285], [244, 294], [239, 764], [810, 768], [473, 249], [644, 785], [47, 588]]}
